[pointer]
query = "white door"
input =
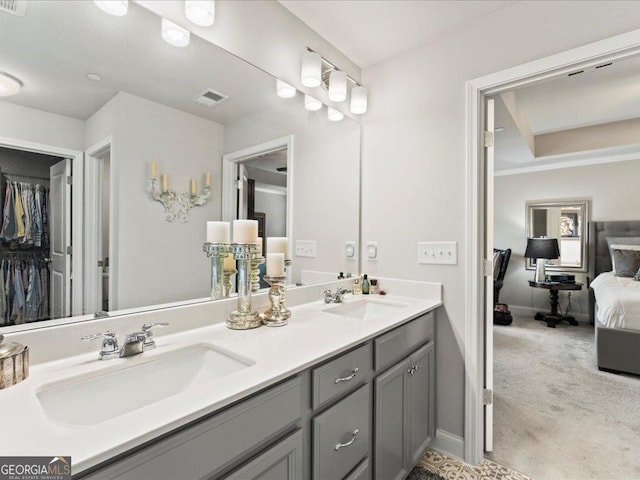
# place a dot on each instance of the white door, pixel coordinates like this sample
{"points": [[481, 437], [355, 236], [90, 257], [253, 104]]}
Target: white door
{"points": [[488, 331], [60, 238]]}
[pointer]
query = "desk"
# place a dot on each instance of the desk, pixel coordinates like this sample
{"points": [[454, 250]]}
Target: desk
{"points": [[553, 318]]}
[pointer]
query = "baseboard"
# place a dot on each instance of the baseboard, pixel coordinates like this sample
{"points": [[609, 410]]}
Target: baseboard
{"points": [[529, 311], [449, 444]]}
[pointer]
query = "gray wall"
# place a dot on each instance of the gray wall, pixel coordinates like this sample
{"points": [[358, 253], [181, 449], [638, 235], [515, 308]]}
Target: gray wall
{"points": [[612, 189]]}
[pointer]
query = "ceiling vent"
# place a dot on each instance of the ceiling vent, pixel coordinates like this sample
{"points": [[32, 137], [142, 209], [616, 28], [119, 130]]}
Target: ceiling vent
{"points": [[14, 7], [208, 98]]}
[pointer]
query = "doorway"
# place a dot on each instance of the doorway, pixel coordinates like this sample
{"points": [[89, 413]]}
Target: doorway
{"points": [[616, 48]]}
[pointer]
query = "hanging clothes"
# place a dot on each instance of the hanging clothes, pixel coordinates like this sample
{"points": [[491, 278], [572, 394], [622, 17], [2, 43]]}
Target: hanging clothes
{"points": [[24, 291]]}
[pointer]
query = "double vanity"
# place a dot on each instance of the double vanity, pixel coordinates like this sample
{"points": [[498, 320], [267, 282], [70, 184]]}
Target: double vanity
{"points": [[345, 391]]}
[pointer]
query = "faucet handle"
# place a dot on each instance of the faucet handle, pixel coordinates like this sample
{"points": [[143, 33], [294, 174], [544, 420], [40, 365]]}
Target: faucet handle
{"points": [[149, 343], [109, 343]]}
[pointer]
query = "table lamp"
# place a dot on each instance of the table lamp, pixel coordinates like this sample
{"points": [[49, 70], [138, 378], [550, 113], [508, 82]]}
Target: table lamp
{"points": [[542, 249]]}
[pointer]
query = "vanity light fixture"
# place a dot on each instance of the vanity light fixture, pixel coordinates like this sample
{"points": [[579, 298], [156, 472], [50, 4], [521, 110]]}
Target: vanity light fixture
{"points": [[118, 8], [312, 104], [284, 89], [337, 86], [311, 74], [174, 34], [200, 12], [334, 115], [9, 85], [358, 100]]}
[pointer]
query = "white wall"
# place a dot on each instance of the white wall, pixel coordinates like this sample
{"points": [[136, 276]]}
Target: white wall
{"points": [[414, 156], [36, 126], [274, 206], [156, 261], [613, 199], [325, 177]]}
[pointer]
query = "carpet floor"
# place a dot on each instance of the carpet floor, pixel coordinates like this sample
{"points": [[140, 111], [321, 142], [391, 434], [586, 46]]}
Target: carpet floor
{"points": [[557, 417]]}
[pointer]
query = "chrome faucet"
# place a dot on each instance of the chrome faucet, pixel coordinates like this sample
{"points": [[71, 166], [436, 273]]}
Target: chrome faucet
{"points": [[134, 343], [336, 297]]}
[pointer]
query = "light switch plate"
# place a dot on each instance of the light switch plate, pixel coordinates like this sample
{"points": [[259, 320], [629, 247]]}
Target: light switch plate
{"points": [[372, 250], [306, 248], [350, 250], [438, 253]]}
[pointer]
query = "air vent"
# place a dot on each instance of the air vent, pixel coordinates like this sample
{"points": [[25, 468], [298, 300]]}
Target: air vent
{"points": [[209, 98], [14, 7]]}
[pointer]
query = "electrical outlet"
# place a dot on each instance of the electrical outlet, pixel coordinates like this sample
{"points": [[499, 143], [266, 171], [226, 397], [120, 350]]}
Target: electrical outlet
{"points": [[443, 253], [306, 248]]}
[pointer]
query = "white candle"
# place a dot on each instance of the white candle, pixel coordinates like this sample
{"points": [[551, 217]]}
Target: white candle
{"points": [[278, 245], [165, 183], [153, 169], [218, 232], [208, 180], [229, 262], [275, 264], [193, 187], [259, 243], [245, 231]]}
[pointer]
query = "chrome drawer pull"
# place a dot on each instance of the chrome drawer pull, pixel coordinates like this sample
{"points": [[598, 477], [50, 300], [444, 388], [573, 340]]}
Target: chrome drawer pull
{"points": [[350, 377], [412, 371], [340, 445]]}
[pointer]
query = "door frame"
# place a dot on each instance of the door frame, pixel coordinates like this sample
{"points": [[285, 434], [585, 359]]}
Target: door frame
{"points": [[229, 165], [77, 218], [93, 204], [620, 47]]}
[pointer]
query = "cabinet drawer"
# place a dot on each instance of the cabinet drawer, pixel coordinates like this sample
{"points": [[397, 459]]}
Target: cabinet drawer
{"points": [[361, 472], [208, 447], [398, 343], [341, 436], [341, 375]]}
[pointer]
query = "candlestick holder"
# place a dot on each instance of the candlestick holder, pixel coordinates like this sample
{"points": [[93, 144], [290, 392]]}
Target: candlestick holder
{"points": [[277, 315], [217, 252], [177, 204], [244, 318], [255, 273], [226, 281]]}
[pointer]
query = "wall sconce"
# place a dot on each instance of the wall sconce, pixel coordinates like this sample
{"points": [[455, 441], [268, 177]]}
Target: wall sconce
{"points": [[177, 204], [317, 70]]}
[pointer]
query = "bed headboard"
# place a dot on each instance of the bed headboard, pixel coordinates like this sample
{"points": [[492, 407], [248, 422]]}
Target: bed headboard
{"points": [[599, 257]]}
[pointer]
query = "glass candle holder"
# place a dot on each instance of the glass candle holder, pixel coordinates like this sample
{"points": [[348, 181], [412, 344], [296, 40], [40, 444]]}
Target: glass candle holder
{"points": [[277, 315], [217, 252], [244, 317]]}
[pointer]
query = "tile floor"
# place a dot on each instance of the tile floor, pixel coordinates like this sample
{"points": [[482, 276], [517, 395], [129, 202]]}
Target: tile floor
{"points": [[453, 469]]}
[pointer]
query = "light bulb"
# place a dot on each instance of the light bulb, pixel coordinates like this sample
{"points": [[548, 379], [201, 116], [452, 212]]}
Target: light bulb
{"points": [[358, 100], [117, 8], [174, 34], [337, 86], [200, 12], [311, 103], [9, 85], [284, 89], [311, 69], [334, 115]]}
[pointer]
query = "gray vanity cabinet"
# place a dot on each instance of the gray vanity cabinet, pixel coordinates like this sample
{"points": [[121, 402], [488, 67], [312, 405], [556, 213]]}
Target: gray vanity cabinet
{"points": [[404, 399]]}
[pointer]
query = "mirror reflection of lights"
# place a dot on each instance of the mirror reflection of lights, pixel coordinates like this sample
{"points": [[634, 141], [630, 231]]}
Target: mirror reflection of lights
{"points": [[9, 85]]}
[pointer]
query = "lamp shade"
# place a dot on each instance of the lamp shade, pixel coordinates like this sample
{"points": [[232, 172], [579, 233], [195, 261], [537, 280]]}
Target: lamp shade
{"points": [[311, 71], [542, 248], [358, 100], [174, 34], [200, 12], [118, 8], [337, 86], [284, 89], [311, 103]]}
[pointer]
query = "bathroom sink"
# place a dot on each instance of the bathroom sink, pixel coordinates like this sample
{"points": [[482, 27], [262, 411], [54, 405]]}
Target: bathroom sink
{"points": [[92, 399], [365, 308]]}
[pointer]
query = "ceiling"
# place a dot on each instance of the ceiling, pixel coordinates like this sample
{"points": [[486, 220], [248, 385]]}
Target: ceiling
{"points": [[57, 43], [368, 32]]}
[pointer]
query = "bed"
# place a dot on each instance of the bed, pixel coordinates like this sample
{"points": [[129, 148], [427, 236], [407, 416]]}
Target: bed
{"points": [[616, 310]]}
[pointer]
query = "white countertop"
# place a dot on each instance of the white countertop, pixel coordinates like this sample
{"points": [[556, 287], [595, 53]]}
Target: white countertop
{"points": [[311, 336]]}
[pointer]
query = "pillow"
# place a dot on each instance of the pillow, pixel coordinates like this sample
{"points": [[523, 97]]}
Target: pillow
{"points": [[626, 260], [497, 263], [621, 241]]}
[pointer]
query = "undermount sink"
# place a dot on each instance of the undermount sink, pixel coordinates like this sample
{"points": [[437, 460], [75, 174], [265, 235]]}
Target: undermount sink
{"points": [[92, 399], [365, 308]]}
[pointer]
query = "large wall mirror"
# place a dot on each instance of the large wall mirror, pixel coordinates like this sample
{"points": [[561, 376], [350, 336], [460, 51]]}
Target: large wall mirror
{"points": [[565, 221], [102, 98]]}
